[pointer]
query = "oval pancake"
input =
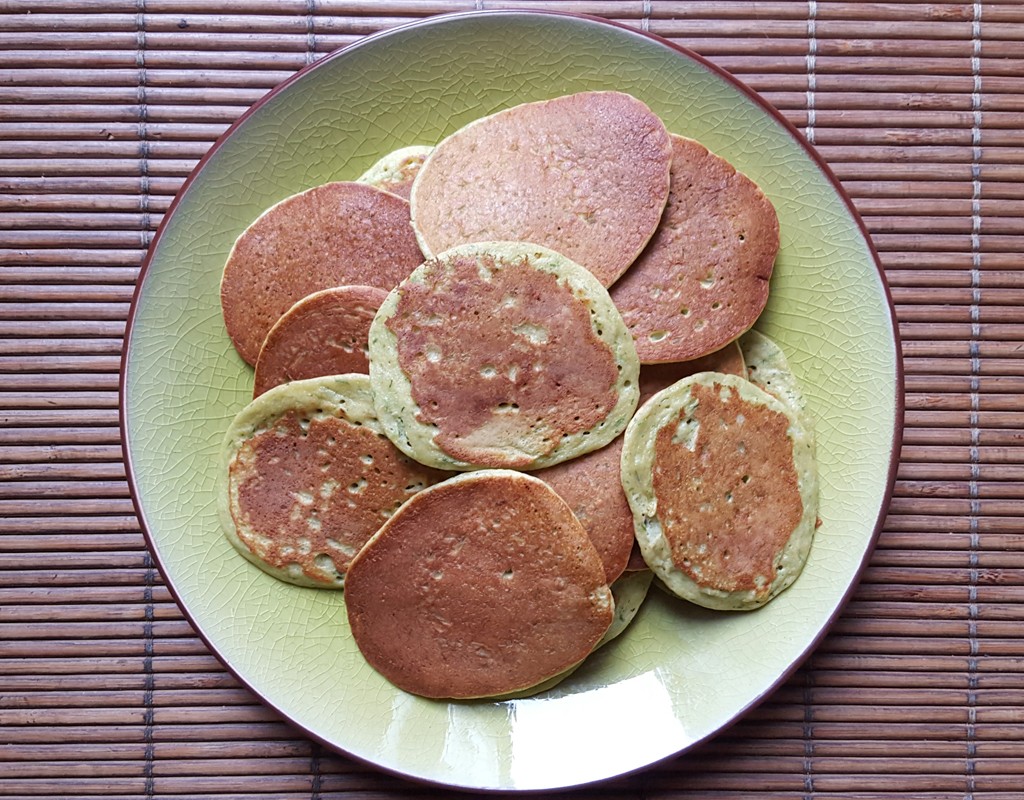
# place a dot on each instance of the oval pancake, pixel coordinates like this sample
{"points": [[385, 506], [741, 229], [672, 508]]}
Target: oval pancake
{"points": [[479, 586], [325, 333], [337, 234], [308, 477], [721, 479], [768, 368], [501, 355], [396, 171], [585, 175], [703, 279], [591, 484]]}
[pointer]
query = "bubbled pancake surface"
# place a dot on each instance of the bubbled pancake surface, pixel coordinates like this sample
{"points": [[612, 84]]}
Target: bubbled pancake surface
{"points": [[501, 354], [325, 333], [703, 279], [337, 234], [584, 174], [396, 171], [482, 585], [721, 481], [308, 478]]}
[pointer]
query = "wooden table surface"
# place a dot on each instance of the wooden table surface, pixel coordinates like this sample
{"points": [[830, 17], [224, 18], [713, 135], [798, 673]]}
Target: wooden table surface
{"points": [[105, 107]]}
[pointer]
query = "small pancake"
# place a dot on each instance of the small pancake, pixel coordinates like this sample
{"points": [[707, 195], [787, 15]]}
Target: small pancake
{"points": [[482, 585], [721, 479], [768, 368], [337, 234], [396, 171], [703, 279], [308, 477], [655, 377], [584, 174], [324, 333], [629, 592], [501, 355], [592, 487]]}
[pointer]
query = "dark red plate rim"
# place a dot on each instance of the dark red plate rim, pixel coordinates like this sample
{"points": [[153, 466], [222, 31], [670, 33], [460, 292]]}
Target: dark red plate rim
{"points": [[442, 19]]}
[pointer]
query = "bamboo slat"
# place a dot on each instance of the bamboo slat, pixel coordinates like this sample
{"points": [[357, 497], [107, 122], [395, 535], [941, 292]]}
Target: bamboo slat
{"points": [[105, 108]]}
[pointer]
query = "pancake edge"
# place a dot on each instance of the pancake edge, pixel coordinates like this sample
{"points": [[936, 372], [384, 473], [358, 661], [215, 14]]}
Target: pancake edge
{"points": [[637, 467], [346, 396], [392, 390]]}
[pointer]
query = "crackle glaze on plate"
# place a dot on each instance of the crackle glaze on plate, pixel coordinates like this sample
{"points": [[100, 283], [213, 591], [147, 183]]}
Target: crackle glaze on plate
{"points": [[681, 673]]}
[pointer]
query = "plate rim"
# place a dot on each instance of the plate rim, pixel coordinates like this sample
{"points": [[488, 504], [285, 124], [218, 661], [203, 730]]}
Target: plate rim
{"points": [[763, 105]]}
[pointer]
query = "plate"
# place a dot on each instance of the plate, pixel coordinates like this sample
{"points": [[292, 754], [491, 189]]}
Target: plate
{"points": [[680, 674]]}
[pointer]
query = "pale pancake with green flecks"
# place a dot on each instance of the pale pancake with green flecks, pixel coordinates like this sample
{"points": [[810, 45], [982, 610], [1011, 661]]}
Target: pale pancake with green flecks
{"points": [[396, 171], [768, 368], [307, 477], [721, 479], [501, 355], [585, 174], [481, 585]]}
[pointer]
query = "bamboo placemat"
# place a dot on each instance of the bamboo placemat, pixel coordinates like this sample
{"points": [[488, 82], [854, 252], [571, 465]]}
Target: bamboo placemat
{"points": [[105, 106]]}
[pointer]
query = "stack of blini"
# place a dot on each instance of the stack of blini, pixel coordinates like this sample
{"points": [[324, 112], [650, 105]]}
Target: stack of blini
{"points": [[496, 411]]}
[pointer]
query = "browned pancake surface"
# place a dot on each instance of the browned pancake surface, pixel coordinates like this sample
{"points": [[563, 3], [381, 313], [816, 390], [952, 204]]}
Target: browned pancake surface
{"points": [[585, 174], [337, 234], [309, 490], [728, 506], [655, 377], [322, 334], [703, 279], [497, 363], [482, 585], [590, 484]]}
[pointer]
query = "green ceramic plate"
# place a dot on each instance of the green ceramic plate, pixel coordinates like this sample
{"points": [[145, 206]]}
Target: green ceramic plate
{"points": [[680, 674]]}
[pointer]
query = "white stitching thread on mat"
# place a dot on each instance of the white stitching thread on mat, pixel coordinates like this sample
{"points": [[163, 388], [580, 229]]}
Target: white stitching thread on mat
{"points": [[972, 608], [143, 128], [645, 20], [310, 31], [812, 59]]}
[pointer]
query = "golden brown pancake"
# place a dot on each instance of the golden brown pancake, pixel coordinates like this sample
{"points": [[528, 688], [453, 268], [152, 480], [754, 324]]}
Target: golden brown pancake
{"points": [[482, 585], [323, 334], [585, 175], [501, 354], [308, 478], [703, 279], [338, 234], [636, 561], [768, 368], [655, 377], [592, 487], [629, 592], [721, 479], [396, 171]]}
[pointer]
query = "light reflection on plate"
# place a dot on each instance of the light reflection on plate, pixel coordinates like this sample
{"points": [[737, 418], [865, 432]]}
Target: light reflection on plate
{"points": [[684, 672]]}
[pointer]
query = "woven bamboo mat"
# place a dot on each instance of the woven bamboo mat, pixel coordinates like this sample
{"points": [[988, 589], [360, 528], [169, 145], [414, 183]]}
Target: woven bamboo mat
{"points": [[105, 106]]}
